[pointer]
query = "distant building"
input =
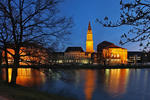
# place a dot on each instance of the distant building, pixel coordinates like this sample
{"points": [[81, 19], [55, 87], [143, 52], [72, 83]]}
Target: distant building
{"points": [[76, 55], [134, 57], [30, 54], [72, 55], [100, 48], [56, 58], [110, 54], [138, 57], [94, 57]]}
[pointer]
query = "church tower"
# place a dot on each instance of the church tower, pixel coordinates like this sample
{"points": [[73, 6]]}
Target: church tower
{"points": [[89, 40]]}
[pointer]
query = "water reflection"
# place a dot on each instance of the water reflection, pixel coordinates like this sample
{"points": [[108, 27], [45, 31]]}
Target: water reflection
{"points": [[116, 81], [90, 79], [26, 76], [113, 81], [104, 84]]}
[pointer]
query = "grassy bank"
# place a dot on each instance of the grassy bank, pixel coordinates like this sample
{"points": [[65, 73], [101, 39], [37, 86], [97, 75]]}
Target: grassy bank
{"points": [[17, 92]]}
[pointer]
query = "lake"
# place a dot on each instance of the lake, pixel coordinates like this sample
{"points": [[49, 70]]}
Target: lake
{"points": [[87, 84]]}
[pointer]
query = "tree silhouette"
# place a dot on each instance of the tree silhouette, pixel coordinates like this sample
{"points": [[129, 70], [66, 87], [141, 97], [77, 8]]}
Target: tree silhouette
{"points": [[136, 14], [32, 21]]}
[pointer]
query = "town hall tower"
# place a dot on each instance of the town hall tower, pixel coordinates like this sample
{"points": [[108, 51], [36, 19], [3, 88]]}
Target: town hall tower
{"points": [[89, 40]]}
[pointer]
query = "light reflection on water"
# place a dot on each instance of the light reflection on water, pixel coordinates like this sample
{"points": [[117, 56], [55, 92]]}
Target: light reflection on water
{"points": [[104, 84], [26, 76], [90, 84], [116, 81]]}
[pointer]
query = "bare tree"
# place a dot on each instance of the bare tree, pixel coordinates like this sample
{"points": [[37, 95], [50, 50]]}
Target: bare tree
{"points": [[136, 14], [32, 21], [5, 38]]}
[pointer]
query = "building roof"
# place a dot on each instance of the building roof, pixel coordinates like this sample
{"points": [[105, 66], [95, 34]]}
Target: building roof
{"points": [[104, 44], [73, 49], [112, 46]]}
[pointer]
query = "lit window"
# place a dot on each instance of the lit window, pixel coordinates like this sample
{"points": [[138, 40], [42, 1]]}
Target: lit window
{"points": [[114, 55], [117, 55], [111, 55]]}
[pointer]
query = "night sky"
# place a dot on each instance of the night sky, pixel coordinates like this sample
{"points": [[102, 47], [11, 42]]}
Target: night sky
{"points": [[84, 11]]}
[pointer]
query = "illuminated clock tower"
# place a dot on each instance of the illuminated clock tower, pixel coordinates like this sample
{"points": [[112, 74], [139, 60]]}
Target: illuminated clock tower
{"points": [[89, 40]]}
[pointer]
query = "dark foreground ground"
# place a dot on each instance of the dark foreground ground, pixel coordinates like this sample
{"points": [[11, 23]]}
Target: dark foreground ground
{"points": [[16, 92]]}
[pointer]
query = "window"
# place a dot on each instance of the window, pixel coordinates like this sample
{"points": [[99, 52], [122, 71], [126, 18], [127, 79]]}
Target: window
{"points": [[111, 55], [117, 55]]}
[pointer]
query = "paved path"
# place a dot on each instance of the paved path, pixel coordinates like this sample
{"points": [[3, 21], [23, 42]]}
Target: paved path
{"points": [[3, 98]]}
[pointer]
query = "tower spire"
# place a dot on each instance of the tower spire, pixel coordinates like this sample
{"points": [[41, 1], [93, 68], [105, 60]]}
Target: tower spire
{"points": [[89, 27]]}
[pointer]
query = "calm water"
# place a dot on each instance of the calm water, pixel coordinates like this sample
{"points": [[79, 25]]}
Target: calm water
{"points": [[104, 84]]}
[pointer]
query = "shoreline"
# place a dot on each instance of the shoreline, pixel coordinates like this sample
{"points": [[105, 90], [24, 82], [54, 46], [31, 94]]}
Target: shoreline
{"points": [[75, 66]]}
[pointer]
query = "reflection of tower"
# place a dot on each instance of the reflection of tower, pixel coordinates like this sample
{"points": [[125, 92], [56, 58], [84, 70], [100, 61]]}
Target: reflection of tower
{"points": [[89, 40], [89, 84]]}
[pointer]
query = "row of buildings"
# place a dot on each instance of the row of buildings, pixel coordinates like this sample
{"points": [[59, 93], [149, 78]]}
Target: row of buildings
{"points": [[107, 53]]}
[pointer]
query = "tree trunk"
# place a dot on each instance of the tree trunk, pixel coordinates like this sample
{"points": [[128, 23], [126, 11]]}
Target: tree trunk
{"points": [[6, 74], [6, 61], [16, 65], [14, 76]]}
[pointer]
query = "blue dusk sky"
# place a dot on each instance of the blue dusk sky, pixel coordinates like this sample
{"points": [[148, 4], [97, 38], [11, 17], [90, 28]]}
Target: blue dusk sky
{"points": [[84, 11]]}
